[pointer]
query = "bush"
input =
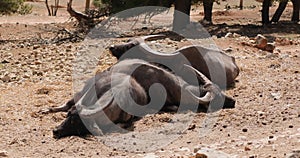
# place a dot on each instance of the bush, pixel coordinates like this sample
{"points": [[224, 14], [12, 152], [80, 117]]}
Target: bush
{"points": [[14, 6]]}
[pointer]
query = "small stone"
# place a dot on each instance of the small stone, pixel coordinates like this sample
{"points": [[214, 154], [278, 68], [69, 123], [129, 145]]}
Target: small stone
{"points": [[245, 130], [236, 35], [200, 155], [291, 126], [6, 78], [271, 137], [242, 137], [229, 35], [294, 154], [26, 76], [3, 153], [191, 127], [37, 62], [270, 47], [247, 148], [261, 41], [276, 96], [36, 46], [264, 122]]}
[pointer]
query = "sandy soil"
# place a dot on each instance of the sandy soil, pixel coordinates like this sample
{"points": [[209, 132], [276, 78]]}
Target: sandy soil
{"points": [[36, 72]]}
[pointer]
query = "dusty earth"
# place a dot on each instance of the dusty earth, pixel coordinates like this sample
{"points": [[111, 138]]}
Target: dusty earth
{"points": [[36, 56]]}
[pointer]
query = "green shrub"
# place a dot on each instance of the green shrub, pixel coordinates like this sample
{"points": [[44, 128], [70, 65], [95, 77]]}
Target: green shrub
{"points": [[14, 6]]}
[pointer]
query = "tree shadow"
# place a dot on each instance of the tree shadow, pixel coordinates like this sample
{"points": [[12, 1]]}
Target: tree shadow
{"points": [[251, 30]]}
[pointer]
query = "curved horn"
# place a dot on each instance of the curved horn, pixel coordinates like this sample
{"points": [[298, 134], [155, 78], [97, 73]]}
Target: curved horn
{"points": [[99, 105], [202, 77], [209, 96], [211, 93]]}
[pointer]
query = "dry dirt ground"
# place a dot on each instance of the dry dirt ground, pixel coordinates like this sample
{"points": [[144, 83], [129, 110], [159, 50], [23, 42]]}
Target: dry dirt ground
{"points": [[36, 72]]}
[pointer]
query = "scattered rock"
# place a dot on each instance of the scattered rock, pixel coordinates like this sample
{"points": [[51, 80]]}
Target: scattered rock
{"points": [[276, 95], [270, 47], [150, 155], [261, 41], [294, 154], [6, 78], [5, 61], [3, 153], [212, 153], [229, 35], [199, 155], [247, 148]]}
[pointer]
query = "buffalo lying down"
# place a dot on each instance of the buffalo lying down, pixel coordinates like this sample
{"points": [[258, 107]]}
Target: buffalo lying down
{"points": [[104, 96], [215, 64]]}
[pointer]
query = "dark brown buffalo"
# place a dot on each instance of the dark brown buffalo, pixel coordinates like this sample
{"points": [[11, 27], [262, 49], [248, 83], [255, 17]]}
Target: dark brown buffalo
{"points": [[98, 92], [99, 101], [215, 64]]}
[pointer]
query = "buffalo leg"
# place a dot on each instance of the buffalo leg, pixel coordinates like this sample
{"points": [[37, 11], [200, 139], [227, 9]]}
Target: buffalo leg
{"points": [[181, 14], [265, 11], [279, 11], [296, 10], [208, 6], [62, 108]]}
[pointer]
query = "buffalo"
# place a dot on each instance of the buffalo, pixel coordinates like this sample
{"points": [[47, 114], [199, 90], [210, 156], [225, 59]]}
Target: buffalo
{"points": [[131, 89], [215, 64]]}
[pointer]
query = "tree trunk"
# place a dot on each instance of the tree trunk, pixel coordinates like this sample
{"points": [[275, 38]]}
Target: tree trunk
{"points": [[47, 6], [87, 5], [181, 14], [296, 10], [56, 7], [279, 11], [208, 6], [80, 17], [265, 11]]}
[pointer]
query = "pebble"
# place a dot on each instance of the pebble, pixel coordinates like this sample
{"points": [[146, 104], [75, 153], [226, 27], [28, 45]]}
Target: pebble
{"points": [[245, 130], [3, 153], [261, 41], [242, 137], [212, 153], [229, 35], [6, 78]]}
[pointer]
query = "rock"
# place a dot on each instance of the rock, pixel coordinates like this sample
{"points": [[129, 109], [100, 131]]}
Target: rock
{"points": [[3, 153], [276, 96], [247, 148], [26, 75], [38, 62], [243, 138], [229, 35], [294, 154], [200, 155], [236, 35], [270, 47], [6, 78], [212, 153], [261, 41], [150, 155]]}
